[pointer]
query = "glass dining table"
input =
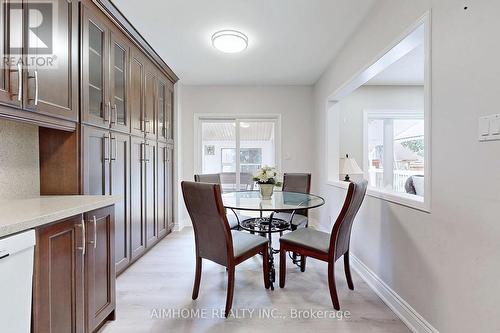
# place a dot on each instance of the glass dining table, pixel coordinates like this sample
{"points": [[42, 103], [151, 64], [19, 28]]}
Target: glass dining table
{"points": [[266, 224]]}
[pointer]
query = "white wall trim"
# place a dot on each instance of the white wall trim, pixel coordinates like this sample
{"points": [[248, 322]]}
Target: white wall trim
{"points": [[410, 317]]}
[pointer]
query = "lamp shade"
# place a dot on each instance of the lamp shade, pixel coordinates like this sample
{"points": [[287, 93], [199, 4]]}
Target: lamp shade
{"points": [[351, 167]]}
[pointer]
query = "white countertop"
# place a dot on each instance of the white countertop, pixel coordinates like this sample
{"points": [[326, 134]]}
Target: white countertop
{"points": [[22, 214]]}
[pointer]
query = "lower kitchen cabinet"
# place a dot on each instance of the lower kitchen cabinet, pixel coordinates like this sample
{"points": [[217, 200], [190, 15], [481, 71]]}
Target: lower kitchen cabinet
{"points": [[58, 283], [100, 273], [137, 185], [74, 276]]}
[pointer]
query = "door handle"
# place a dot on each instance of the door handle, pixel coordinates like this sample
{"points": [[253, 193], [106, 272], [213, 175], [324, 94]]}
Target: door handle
{"points": [[107, 111], [114, 148], [95, 232], [19, 71], [35, 76], [114, 114], [106, 147], [82, 248]]}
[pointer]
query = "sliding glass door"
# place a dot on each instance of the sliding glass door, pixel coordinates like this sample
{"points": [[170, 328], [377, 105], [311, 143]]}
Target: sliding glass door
{"points": [[236, 148]]}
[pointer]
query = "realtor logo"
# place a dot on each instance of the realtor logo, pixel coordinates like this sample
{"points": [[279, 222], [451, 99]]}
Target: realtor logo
{"points": [[37, 18]]}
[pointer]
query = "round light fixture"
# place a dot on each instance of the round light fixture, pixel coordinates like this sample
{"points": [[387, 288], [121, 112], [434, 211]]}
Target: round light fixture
{"points": [[229, 41]]}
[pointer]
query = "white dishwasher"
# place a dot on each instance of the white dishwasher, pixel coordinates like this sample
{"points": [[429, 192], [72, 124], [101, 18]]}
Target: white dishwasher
{"points": [[16, 280]]}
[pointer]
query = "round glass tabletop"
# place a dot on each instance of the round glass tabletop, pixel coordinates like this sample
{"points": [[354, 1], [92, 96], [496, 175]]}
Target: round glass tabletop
{"points": [[280, 201]]}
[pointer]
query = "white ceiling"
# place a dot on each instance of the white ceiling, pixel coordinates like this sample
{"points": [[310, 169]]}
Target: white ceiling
{"points": [[409, 70], [290, 41]]}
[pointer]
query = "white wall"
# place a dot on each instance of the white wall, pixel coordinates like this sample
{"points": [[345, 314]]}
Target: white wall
{"points": [[444, 264], [19, 162], [293, 103]]}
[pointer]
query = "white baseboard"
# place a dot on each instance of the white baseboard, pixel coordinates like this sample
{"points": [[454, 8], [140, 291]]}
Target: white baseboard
{"points": [[410, 317]]}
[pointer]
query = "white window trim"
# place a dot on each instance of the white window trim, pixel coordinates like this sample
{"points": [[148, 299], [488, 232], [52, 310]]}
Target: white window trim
{"points": [[200, 117], [359, 79]]}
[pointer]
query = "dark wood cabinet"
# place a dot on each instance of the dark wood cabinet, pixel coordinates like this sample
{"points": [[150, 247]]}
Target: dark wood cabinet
{"points": [[136, 91], [118, 78], [164, 194], [58, 288], [150, 101], [95, 101], [119, 185], [51, 76], [137, 187], [99, 267], [150, 192]]}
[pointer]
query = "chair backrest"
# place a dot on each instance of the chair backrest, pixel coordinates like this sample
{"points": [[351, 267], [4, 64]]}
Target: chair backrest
{"points": [[341, 233], [228, 181], [213, 178], [211, 230], [297, 182]]}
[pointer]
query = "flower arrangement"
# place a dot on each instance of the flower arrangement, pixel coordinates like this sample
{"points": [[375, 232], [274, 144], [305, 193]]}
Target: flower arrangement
{"points": [[267, 176]]}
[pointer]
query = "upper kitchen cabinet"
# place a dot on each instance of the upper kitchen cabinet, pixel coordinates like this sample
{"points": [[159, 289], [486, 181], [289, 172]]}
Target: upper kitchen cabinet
{"points": [[118, 78], [136, 92], [11, 73], [165, 108], [51, 68], [39, 43], [150, 101], [95, 39]]}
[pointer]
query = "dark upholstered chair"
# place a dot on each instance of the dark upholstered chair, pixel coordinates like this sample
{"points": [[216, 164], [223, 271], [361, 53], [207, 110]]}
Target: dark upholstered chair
{"points": [[296, 182], [214, 239], [214, 178], [324, 246]]}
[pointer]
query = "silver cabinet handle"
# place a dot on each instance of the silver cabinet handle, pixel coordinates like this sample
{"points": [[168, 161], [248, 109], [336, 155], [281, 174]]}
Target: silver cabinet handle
{"points": [[19, 71], [36, 87], [95, 232], [114, 114], [35, 76], [82, 248], [107, 110], [106, 147], [114, 148]]}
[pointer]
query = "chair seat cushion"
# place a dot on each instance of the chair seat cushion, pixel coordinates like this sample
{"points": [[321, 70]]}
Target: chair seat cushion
{"points": [[244, 242], [297, 218], [308, 238], [233, 221]]}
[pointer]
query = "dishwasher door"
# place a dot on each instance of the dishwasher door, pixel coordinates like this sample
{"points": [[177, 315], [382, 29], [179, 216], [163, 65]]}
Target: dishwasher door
{"points": [[16, 280]]}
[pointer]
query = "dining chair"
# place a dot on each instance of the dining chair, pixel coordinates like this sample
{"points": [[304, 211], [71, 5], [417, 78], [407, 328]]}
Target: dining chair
{"points": [[233, 218], [214, 239], [301, 183], [325, 246]]}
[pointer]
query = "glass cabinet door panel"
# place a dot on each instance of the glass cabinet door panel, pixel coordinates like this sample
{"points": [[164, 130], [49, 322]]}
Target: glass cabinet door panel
{"points": [[96, 70]]}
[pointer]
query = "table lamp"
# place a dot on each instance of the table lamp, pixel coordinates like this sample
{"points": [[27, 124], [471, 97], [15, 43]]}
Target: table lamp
{"points": [[350, 168]]}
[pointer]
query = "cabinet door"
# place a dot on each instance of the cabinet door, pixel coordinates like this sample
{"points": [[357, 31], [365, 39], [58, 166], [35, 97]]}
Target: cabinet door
{"points": [[120, 168], [137, 216], [11, 37], [58, 300], [162, 124], [162, 183], [118, 79], [170, 188], [96, 159], [150, 202], [52, 71], [170, 113], [150, 83], [136, 97], [100, 266], [95, 68]]}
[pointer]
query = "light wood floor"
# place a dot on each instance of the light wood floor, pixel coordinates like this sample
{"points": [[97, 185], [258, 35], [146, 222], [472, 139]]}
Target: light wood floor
{"points": [[162, 281]]}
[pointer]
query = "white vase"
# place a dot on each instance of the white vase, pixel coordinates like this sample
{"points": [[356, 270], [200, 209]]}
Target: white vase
{"points": [[266, 191]]}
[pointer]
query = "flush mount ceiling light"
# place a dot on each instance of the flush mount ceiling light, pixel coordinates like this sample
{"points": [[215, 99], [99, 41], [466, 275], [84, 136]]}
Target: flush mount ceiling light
{"points": [[229, 41]]}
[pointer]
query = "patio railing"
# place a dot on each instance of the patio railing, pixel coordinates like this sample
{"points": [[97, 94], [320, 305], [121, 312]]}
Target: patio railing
{"points": [[398, 182]]}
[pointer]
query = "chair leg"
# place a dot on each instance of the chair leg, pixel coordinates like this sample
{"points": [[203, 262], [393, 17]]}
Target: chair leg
{"points": [[197, 278], [282, 267], [347, 269], [230, 291], [331, 285], [303, 263]]}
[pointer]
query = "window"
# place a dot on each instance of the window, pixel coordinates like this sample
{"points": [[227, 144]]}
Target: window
{"points": [[236, 147], [395, 150], [250, 159]]}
